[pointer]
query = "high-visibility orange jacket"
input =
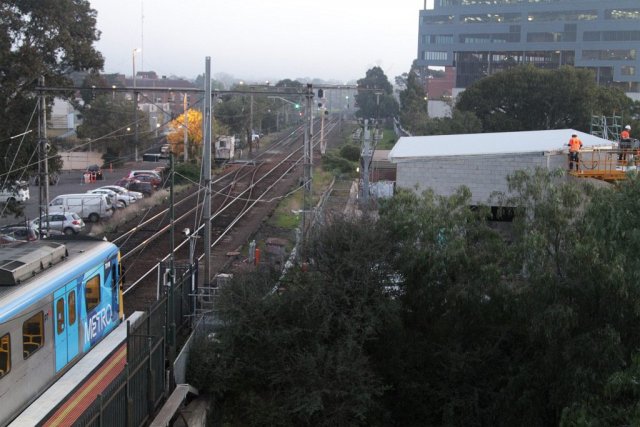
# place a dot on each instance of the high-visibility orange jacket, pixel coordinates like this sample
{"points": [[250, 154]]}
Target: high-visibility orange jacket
{"points": [[625, 134], [575, 144]]}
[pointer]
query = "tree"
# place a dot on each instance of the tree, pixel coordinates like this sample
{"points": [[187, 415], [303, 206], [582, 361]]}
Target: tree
{"points": [[314, 333], [375, 96], [194, 133], [110, 121], [41, 38], [530, 98], [414, 107]]}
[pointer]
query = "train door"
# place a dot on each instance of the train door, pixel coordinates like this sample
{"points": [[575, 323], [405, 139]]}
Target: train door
{"points": [[65, 307]]}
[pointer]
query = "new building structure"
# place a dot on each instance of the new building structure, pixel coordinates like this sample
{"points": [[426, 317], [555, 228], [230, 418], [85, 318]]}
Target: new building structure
{"points": [[477, 38], [482, 161]]}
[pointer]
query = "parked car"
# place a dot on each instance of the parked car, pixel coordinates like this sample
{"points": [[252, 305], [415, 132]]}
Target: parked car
{"points": [[54, 178], [5, 239], [121, 190], [134, 174], [135, 185], [67, 222], [117, 199], [88, 206], [21, 232], [95, 169], [151, 179], [16, 192]]}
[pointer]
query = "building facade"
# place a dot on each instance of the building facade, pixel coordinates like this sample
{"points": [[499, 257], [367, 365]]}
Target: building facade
{"points": [[477, 38]]}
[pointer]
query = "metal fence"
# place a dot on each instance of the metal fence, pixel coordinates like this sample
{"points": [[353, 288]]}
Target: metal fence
{"points": [[138, 392]]}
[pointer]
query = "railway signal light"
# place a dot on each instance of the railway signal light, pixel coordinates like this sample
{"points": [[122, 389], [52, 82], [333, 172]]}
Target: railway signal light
{"points": [[320, 93], [297, 106]]}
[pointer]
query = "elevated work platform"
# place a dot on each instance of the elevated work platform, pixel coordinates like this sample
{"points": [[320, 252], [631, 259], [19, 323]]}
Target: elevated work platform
{"points": [[606, 163]]}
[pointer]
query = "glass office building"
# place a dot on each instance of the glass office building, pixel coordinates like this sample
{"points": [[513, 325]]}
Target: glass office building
{"points": [[481, 37]]}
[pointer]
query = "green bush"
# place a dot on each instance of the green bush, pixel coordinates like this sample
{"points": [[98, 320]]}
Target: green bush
{"points": [[350, 152], [337, 164], [187, 173]]}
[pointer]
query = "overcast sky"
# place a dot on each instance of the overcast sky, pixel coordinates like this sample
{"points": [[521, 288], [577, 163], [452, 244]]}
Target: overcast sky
{"points": [[257, 40]]}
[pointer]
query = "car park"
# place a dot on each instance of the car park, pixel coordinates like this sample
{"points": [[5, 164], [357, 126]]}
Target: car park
{"points": [[67, 222]]}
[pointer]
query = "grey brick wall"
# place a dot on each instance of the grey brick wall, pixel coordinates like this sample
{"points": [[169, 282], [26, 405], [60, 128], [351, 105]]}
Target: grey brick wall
{"points": [[482, 174]]}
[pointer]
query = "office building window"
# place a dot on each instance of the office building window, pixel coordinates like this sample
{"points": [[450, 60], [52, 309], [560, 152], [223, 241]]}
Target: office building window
{"points": [[583, 15], [435, 56], [591, 36], [489, 38], [544, 37], [628, 70], [493, 18], [620, 36], [622, 14], [610, 54], [437, 19], [437, 39]]}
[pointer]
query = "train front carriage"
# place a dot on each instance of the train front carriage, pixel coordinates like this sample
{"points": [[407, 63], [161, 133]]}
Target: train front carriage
{"points": [[57, 300]]}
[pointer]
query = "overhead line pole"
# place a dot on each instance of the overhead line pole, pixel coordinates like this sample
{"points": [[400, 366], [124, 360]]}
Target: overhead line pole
{"points": [[307, 165], [43, 164], [206, 164]]}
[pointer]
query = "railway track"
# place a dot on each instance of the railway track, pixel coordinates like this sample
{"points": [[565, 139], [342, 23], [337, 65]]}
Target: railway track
{"points": [[240, 196]]}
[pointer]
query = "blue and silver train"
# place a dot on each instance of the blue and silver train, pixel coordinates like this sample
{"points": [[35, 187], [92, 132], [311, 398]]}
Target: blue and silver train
{"points": [[57, 300]]}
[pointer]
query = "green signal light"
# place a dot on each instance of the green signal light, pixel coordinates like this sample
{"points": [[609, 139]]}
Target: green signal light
{"points": [[297, 106]]}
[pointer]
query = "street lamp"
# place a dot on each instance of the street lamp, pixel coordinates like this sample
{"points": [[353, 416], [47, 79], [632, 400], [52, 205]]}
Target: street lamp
{"points": [[135, 102], [133, 57]]}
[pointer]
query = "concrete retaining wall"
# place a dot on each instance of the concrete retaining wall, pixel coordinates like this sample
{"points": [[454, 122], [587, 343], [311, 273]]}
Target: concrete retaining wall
{"points": [[79, 160]]}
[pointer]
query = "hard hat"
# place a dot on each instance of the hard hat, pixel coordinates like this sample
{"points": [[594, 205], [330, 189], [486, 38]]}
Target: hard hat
{"points": [[627, 127], [574, 134]]}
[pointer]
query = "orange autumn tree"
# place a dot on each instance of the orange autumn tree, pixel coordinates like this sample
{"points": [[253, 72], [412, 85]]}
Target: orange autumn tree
{"points": [[194, 133]]}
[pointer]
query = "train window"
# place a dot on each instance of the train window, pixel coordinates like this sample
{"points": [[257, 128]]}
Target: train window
{"points": [[92, 292], [5, 355], [60, 317], [72, 308], [32, 334]]}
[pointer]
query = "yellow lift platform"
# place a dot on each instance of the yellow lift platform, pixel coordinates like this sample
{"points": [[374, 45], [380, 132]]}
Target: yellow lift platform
{"points": [[603, 163]]}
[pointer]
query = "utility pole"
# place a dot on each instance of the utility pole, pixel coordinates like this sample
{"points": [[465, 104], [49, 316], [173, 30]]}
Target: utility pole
{"points": [[171, 327], [43, 164], [135, 105], [366, 160], [206, 160], [323, 145], [185, 123], [307, 170], [135, 119]]}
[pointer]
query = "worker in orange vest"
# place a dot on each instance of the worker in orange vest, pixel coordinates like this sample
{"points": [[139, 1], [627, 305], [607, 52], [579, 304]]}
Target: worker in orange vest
{"points": [[574, 151], [625, 142]]}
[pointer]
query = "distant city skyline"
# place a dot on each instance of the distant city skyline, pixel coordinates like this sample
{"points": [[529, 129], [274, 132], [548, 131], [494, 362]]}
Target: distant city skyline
{"points": [[256, 41]]}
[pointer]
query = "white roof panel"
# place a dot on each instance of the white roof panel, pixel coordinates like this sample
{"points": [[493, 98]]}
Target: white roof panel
{"points": [[473, 144]]}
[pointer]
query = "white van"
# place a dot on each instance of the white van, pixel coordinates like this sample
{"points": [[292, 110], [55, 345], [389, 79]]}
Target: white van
{"points": [[92, 207]]}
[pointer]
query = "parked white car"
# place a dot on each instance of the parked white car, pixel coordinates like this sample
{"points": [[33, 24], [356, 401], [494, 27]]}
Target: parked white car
{"points": [[117, 199], [68, 222], [16, 192], [121, 190]]}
